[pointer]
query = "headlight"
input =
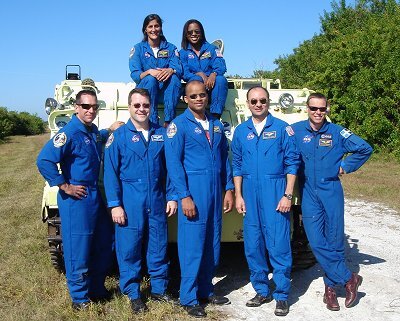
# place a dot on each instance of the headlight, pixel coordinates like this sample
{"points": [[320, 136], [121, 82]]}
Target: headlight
{"points": [[286, 101]]}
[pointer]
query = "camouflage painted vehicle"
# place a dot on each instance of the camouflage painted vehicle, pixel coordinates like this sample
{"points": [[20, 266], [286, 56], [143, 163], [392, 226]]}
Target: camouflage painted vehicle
{"points": [[286, 104]]}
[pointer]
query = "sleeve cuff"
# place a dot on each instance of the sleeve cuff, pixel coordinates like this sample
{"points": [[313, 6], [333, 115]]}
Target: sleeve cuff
{"points": [[113, 203]]}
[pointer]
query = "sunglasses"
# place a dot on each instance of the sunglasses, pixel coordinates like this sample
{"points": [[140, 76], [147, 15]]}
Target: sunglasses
{"points": [[88, 106], [193, 32], [145, 105], [194, 96], [321, 109], [254, 101]]}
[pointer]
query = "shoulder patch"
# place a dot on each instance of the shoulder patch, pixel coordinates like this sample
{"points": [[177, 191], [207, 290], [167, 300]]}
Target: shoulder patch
{"points": [[346, 133], [110, 140], [132, 52], [59, 140], [289, 130], [171, 130]]}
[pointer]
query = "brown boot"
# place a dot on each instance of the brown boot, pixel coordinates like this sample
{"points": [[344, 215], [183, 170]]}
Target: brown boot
{"points": [[330, 299], [351, 289]]}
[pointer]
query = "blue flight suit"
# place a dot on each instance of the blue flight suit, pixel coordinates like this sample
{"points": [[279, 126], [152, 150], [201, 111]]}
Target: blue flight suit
{"points": [[86, 227], [135, 178], [263, 162], [200, 169], [210, 60], [322, 193], [141, 59]]}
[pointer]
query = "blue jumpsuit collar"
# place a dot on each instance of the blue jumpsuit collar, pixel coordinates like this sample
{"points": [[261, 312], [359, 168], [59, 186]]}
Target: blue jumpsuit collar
{"points": [[268, 123], [323, 129], [163, 45], [203, 47], [81, 126]]}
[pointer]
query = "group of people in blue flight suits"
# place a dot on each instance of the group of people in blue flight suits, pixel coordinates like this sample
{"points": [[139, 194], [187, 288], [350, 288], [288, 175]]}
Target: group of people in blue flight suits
{"points": [[152, 172]]}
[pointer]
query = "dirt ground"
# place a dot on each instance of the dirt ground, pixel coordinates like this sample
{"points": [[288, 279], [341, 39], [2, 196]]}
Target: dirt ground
{"points": [[373, 238]]}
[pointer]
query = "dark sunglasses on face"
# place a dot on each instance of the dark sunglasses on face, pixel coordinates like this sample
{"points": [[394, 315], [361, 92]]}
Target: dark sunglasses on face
{"points": [[254, 101], [193, 32], [321, 109], [137, 106], [88, 106], [194, 96]]}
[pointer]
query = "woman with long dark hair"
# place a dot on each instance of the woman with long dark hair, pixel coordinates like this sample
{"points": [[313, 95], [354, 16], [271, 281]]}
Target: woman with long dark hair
{"points": [[154, 64]]}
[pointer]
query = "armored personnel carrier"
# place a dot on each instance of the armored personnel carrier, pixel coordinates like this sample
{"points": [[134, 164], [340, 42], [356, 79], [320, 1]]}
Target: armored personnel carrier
{"points": [[286, 104]]}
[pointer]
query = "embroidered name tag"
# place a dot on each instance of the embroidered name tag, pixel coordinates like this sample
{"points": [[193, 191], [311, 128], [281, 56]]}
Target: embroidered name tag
{"points": [[217, 129], [157, 138], [206, 55], [162, 54], [325, 142], [269, 135]]}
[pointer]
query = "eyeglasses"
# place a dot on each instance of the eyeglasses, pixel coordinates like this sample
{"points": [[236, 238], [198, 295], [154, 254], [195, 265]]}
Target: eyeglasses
{"points": [[193, 32], [194, 96], [88, 106], [145, 105], [321, 109], [254, 101]]}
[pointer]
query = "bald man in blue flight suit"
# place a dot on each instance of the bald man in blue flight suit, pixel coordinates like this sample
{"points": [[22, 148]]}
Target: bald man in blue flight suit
{"points": [[135, 184], [86, 227], [323, 146], [265, 163], [197, 161], [154, 65], [204, 62]]}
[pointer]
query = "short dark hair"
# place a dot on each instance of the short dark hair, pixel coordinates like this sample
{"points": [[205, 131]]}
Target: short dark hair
{"points": [[184, 43], [89, 92], [140, 91], [257, 87], [318, 96], [147, 20]]}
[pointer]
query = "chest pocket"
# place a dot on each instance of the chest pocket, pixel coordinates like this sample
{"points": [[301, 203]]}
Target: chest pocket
{"points": [[270, 141], [86, 148]]}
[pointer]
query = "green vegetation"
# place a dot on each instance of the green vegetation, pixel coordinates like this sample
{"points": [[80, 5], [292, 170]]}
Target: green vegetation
{"points": [[23, 123], [354, 61], [30, 288]]}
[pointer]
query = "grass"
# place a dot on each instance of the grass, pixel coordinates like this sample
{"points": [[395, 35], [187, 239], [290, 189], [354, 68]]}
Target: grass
{"points": [[31, 289], [377, 181]]}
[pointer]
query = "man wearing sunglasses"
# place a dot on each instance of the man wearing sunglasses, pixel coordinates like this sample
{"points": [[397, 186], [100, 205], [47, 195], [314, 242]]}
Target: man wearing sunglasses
{"points": [[86, 227], [135, 182], [197, 161], [265, 163], [323, 146]]}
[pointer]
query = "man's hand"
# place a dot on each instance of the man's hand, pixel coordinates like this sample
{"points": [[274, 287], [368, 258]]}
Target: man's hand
{"points": [[118, 215], [240, 205], [116, 125], [171, 208], [77, 191], [284, 205], [188, 207], [228, 201], [341, 171]]}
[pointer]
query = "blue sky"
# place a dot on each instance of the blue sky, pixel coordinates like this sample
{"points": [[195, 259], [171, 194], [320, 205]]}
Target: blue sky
{"points": [[40, 37]]}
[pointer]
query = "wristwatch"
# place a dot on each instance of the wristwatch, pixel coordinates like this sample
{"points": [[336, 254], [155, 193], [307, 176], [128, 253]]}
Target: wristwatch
{"points": [[288, 196]]}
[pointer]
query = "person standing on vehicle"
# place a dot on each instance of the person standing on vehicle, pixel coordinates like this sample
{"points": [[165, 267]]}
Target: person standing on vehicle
{"points": [[197, 162], [135, 184], [154, 64], [204, 62], [265, 163], [86, 227], [323, 146]]}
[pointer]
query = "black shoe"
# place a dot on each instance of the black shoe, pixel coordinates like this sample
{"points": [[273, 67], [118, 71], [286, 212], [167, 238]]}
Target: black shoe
{"points": [[196, 311], [105, 297], [165, 298], [138, 306], [80, 306], [216, 300], [258, 300], [282, 308]]}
